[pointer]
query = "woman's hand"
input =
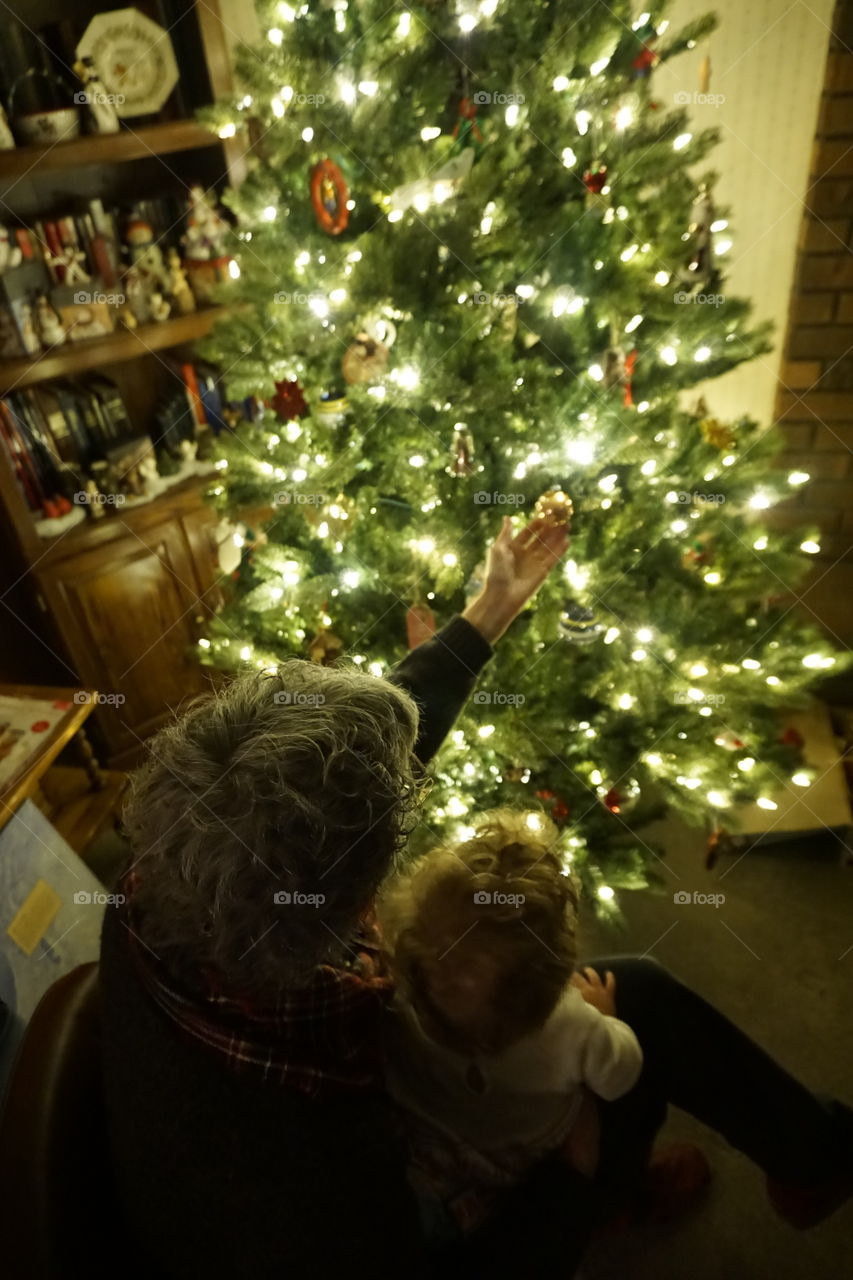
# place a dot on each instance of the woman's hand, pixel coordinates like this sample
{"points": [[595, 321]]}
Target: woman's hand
{"points": [[595, 992], [516, 566]]}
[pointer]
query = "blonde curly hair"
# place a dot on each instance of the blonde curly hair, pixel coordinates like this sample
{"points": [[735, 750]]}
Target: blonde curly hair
{"points": [[481, 935]]}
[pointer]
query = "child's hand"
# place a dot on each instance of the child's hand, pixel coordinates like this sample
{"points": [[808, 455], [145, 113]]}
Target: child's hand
{"points": [[595, 992]]}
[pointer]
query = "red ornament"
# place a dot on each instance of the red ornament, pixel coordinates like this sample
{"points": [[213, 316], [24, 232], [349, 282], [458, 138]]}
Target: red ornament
{"points": [[793, 738], [329, 195], [612, 800], [288, 401], [596, 181], [466, 131], [645, 61], [40, 726], [630, 363], [560, 810]]}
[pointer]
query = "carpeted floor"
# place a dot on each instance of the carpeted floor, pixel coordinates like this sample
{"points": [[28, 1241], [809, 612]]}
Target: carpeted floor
{"points": [[777, 958]]}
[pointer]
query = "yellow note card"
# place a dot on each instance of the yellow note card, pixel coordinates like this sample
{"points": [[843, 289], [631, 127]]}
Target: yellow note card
{"points": [[34, 916]]}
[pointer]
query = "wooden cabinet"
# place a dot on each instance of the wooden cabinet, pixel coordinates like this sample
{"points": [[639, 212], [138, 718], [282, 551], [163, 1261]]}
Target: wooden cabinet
{"points": [[129, 614]]}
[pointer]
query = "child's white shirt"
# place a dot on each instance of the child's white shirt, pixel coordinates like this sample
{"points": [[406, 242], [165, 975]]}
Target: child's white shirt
{"points": [[526, 1097]]}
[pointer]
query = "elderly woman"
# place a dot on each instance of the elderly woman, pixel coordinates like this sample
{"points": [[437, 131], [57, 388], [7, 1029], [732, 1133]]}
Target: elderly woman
{"points": [[243, 1004]]}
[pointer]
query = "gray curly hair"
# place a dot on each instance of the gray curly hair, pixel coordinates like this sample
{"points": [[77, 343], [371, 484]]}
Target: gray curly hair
{"points": [[265, 819]]}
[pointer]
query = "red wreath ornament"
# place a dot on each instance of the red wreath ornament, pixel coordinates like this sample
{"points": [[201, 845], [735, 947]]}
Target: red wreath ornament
{"points": [[329, 195]]}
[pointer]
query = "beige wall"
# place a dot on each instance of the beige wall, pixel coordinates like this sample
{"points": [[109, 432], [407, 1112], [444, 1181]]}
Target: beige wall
{"points": [[767, 60]]}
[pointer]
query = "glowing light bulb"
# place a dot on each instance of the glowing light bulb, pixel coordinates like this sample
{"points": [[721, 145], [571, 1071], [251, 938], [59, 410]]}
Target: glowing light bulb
{"points": [[718, 799], [713, 578], [560, 84], [638, 655], [583, 120], [654, 759], [625, 701], [338, 295], [246, 652], [681, 141], [703, 354], [678, 526], [627, 254], [407, 377], [611, 634], [633, 323], [269, 213], [524, 290], [533, 821], [395, 215], [598, 66], [467, 22], [764, 802], [430, 132], [773, 680], [595, 371], [649, 467], [203, 643], [368, 87], [760, 544], [624, 117], [275, 35], [817, 661], [801, 780], [698, 670], [605, 893], [416, 460], [404, 25], [307, 134], [662, 277], [810, 546], [450, 559], [375, 668], [581, 451], [351, 578], [486, 730], [798, 477], [234, 269], [568, 157], [750, 664], [759, 502], [669, 355], [746, 764]]}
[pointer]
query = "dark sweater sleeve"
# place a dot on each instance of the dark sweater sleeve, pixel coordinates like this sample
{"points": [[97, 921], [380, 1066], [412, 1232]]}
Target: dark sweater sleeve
{"points": [[440, 674]]}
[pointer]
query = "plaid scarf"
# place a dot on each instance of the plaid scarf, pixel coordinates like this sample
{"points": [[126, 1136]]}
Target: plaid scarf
{"points": [[322, 1039]]}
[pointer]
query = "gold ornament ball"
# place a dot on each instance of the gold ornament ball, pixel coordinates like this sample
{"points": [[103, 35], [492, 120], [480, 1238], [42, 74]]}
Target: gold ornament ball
{"points": [[555, 507]]}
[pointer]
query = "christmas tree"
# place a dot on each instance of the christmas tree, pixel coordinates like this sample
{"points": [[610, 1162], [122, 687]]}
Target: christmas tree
{"points": [[480, 263]]}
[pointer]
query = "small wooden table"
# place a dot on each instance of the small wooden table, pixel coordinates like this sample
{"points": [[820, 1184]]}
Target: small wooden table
{"points": [[77, 800]]}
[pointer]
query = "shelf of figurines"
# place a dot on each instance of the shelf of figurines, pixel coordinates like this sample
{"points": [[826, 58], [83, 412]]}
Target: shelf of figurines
{"points": [[98, 286], [106, 148], [113, 348]]}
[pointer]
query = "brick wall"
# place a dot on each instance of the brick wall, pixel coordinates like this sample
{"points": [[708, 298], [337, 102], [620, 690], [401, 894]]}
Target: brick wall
{"points": [[814, 403]]}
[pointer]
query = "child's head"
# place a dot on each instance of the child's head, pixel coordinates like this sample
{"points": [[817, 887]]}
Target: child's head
{"points": [[481, 934]]}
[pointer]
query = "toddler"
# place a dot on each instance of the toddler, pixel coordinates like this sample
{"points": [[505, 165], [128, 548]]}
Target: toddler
{"points": [[497, 1048]]}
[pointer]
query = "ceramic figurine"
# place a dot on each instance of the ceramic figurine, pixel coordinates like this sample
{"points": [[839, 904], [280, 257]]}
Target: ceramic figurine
{"points": [[158, 306], [178, 285], [10, 254], [100, 105], [50, 327], [28, 331]]}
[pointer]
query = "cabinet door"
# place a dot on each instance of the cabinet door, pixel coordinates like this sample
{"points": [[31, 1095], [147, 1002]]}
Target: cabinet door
{"points": [[127, 612]]}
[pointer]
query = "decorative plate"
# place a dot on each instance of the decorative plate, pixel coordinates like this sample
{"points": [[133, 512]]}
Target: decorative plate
{"points": [[134, 59]]}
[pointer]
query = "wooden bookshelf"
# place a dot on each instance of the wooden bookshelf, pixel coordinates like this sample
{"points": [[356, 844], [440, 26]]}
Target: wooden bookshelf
{"points": [[93, 353], [107, 148]]}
